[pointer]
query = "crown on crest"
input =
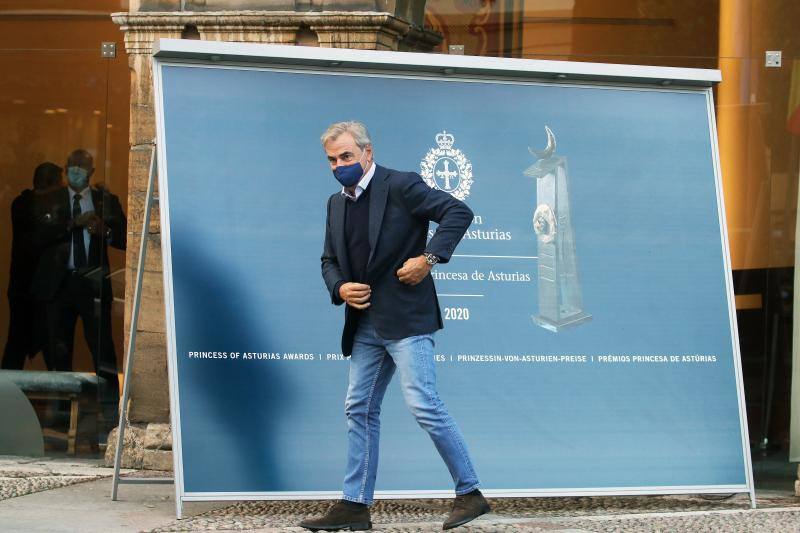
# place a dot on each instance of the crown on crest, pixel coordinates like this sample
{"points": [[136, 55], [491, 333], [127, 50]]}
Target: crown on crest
{"points": [[445, 140]]}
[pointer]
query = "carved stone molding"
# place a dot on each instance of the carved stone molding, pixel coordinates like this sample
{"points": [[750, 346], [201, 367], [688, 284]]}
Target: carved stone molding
{"points": [[366, 30]]}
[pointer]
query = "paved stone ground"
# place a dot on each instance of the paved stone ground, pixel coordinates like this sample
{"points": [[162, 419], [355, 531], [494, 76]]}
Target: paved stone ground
{"points": [[631, 513], [82, 504], [21, 475]]}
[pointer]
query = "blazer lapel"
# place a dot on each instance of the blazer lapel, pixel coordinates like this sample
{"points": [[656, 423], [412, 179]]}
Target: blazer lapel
{"points": [[337, 231], [377, 206]]}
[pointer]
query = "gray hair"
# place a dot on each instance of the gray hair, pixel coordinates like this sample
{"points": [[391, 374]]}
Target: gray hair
{"points": [[356, 129]]}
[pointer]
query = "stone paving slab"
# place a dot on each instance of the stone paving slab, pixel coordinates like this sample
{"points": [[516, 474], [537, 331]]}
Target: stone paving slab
{"points": [[626, 513], [54, 465], [87, 508], [25, 475], [779, 520], [83, 504], [745, 521]]}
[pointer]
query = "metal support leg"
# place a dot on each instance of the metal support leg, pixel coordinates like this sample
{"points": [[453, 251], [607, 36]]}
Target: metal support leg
{"points": [[137, 300]]}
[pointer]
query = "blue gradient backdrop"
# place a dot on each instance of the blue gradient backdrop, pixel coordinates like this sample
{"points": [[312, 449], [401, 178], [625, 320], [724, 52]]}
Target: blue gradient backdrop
{"points": [[248, 183]]}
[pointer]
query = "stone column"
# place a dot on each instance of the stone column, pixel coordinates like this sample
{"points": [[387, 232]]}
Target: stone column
{"points": [[364, 24]]}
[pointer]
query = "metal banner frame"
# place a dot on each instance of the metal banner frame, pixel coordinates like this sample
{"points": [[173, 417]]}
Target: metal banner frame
{"points": [[116, 479], [208, 54]]}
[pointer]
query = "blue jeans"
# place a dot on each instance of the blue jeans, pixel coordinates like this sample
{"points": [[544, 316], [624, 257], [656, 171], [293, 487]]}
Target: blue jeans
{"points": [[372, 366]]}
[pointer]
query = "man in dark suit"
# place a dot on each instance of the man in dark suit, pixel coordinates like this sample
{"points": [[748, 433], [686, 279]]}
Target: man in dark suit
{"points": [[75, 226], [24, 313], [377, 262]]}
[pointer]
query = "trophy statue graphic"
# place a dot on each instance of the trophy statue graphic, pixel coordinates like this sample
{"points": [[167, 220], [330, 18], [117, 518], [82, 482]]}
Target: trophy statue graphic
{"points": [[560, 300]]}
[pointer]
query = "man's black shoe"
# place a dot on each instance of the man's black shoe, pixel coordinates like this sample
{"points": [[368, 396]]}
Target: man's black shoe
{"points": [[341, 515], [466, 507]]}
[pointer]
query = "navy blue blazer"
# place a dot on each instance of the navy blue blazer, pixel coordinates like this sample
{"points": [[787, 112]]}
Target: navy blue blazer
{"points": [[400, 211]]}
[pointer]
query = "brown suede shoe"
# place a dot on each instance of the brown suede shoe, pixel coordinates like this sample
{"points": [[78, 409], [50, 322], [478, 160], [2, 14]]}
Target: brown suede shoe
{"points": [[341, 515], [466, 507]]}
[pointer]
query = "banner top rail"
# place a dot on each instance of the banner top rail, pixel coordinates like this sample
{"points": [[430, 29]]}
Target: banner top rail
{"points": [[432, 63]]}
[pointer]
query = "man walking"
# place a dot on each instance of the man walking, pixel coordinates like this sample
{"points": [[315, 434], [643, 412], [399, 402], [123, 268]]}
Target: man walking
{"points": [[376, 261]]}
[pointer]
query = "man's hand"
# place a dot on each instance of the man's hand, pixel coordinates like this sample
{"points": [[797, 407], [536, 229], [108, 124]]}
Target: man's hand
{"points": [[414, 270], [355, 294], [84, 219], [94, 224]]}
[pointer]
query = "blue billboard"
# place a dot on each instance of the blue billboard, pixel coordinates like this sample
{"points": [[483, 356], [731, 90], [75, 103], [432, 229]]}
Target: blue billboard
{"points": [[589, 343]]}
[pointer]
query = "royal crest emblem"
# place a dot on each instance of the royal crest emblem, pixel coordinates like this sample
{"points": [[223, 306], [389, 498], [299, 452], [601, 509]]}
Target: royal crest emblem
{"points": [[447, 168]]}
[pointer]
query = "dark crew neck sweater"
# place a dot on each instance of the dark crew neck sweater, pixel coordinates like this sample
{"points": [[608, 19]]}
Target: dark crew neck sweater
{"points": [[356, 230]]}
